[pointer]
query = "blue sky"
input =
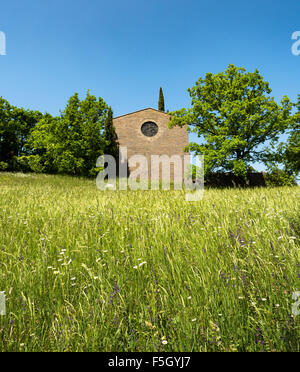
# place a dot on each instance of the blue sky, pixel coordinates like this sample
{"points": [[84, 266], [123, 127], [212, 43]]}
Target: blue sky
{"points": [[124, 50]]}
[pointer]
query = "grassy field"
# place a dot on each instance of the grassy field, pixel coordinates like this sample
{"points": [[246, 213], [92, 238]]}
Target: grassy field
{"points": [[85, 270]]}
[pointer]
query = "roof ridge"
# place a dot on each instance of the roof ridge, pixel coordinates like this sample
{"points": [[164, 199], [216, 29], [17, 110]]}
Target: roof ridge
{"points": [[134, 112]]}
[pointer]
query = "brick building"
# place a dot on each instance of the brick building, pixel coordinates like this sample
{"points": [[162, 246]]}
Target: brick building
{"points": [[146, 133]]}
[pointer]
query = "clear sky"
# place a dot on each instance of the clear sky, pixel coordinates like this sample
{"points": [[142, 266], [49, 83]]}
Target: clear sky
{"points": [[124, 50]]}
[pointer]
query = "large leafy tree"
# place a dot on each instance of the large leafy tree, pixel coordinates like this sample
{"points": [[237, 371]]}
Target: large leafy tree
{"points": [[232, 113], [72, 142], [15, 127]]}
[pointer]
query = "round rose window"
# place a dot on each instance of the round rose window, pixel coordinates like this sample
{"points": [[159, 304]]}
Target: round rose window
{"points": [[149, 129]]}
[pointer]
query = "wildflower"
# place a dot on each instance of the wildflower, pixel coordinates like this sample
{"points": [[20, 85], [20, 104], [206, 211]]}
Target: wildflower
{"points": [[135, 267], [164, 342], [193, 320], [74, 278], [264, 299], [143, 263], [277, 305], [98, 259], [55, 272]]}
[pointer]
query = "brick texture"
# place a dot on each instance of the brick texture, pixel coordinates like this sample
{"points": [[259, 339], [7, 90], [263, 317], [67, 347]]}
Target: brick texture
{"points": [[167, 141]]}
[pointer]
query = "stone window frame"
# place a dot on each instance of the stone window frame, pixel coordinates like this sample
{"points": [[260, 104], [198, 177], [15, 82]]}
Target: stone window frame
{"points": [[153, 126], [149, 139]]}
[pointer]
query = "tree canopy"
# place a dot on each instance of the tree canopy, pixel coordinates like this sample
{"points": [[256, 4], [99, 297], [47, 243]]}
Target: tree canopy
{"points": [[287, 154], [232, 113], [15, 127], [72, 142]]}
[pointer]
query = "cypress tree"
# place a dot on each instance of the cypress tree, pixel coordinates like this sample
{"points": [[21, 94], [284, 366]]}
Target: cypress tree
{"points": [[161, 101], [111, 136]]}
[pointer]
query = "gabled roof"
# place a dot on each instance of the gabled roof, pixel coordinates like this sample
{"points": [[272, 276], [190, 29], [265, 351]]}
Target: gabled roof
{"points": [[148, 108]]}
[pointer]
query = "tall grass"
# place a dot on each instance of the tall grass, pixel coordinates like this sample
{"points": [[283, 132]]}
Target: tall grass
{"points": [[85, 270]]}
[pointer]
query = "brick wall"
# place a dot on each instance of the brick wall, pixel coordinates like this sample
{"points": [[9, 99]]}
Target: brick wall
{"points": [[166, 142]]}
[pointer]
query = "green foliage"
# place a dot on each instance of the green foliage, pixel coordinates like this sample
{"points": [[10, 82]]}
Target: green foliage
{"points": [[232, 113], [111, 147], [278, 177], [72, 142], [286, 153], [291, 155], [161, 101], [3, 166], [15, 126]]}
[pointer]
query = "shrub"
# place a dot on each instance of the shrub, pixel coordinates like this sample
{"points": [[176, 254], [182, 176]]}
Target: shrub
{"points": [[278, 177]]}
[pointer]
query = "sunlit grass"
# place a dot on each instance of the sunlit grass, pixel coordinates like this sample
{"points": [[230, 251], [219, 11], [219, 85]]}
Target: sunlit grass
{"points": [[85, 270]]}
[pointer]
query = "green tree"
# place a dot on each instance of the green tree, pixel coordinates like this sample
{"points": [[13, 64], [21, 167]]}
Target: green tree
{"points": [[291, 155], [112, 147], [292, 149], [232, 114], [287, 154], [161, 101], [15, 127], [72, 142]]}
